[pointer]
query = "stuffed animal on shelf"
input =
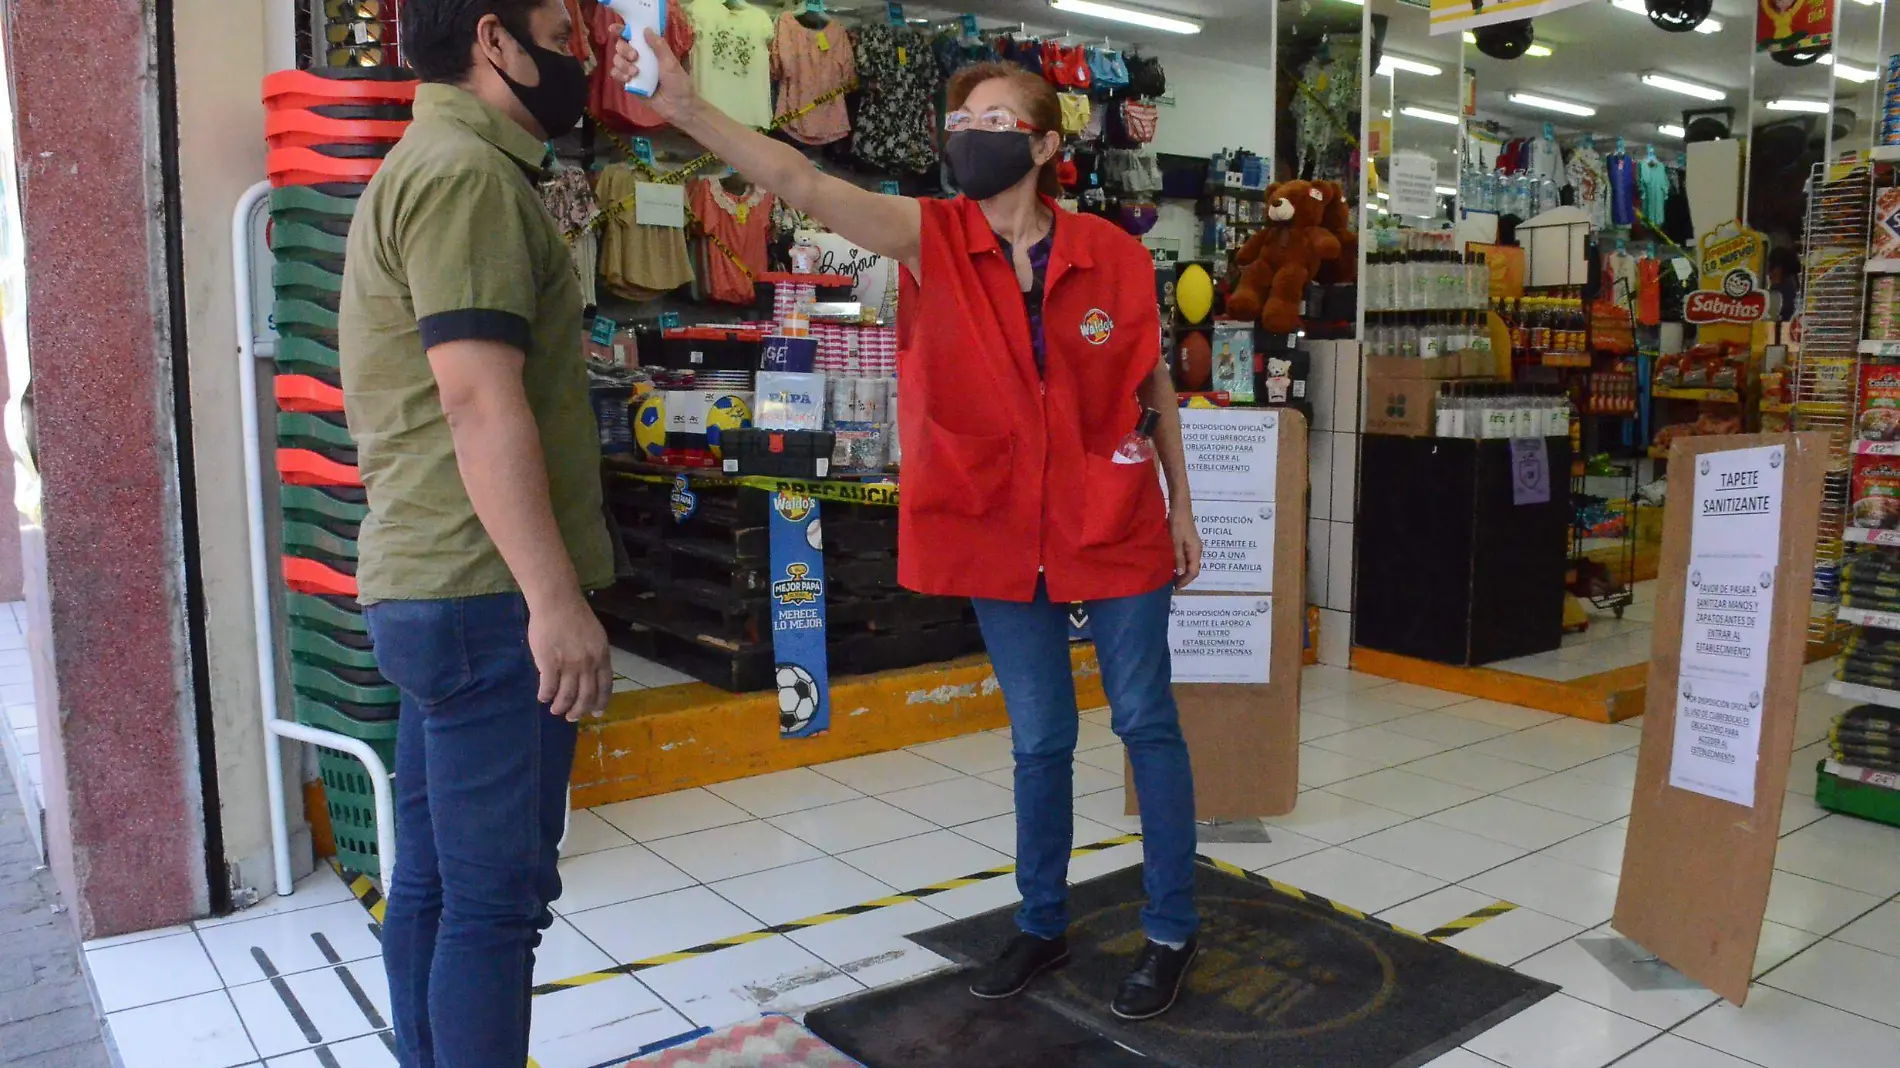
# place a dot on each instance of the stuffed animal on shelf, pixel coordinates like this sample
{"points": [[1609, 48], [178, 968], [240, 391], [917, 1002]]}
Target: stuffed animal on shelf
{"points": [[1338, 222], [1277, 262]]}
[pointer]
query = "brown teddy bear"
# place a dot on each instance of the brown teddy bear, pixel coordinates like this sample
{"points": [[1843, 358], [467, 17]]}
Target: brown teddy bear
{"points": [[1338, 221], [1277, 262]]}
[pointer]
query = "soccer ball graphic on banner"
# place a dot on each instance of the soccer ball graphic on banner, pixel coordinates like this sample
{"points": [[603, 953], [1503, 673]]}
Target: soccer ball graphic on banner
{"points": [[797, 698]]}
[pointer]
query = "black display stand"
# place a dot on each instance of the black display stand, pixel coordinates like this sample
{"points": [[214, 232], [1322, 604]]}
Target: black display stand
{"points": [[1448, 568]]}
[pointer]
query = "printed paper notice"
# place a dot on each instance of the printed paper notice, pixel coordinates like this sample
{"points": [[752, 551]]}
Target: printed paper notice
{"points": [[1236, 547], [1221, 639], [1233, 454], [660, 204], [1734, 547], [1718, 734], [1414, 184]]}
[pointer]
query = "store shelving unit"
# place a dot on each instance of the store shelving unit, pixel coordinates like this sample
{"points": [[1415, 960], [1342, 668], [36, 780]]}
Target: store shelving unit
{"points": [[1827, 371]]}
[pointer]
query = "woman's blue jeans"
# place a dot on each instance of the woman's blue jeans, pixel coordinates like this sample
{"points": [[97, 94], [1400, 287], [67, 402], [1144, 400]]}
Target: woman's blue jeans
{"points": [[481, 798], [1029, 647]]}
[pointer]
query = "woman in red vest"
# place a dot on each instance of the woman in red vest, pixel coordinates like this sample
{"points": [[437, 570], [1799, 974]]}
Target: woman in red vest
{"points": [[1029, 346]]}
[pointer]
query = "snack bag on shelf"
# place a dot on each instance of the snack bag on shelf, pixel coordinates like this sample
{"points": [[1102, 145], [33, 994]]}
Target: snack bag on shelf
{"points": [[1669, 371], [1875, 492], [1885, 241], [1879, 418]]}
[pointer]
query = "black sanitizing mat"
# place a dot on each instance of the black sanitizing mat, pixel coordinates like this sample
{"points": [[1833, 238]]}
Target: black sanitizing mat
{"points": [[936, 1022], [1281, 981]]}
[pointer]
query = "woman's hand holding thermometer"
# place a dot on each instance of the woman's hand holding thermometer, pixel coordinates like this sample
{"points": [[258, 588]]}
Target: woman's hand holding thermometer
{"points": [[636, 18]]}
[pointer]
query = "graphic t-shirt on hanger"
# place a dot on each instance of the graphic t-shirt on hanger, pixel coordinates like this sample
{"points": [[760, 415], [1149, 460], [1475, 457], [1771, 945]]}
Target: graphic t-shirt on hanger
{"points": [[732, 59], [1653, 178], [1584, 173]]}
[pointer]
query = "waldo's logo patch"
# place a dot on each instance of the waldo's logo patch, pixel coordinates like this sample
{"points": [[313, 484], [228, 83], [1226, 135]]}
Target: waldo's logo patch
{"points": [[1096, 326], [797, 587]]}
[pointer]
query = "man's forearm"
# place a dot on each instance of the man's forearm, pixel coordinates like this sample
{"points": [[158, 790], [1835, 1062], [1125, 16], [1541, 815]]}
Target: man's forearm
{"points": [[1157, 392], [498, 449]]}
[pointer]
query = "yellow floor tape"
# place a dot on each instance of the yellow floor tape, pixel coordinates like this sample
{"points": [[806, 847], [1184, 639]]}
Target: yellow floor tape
{"points": [[371, 898]]}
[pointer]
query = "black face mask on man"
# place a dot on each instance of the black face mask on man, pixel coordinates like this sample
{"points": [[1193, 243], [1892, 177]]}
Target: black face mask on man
{"points": [[559, 98], [986, 162]]}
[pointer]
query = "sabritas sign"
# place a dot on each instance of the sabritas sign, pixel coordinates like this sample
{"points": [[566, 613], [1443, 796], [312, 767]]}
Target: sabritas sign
{"points": [[1738, 301]]}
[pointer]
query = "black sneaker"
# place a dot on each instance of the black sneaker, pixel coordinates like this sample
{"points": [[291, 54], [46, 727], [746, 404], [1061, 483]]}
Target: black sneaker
{"points": [[1151, 988], [1026, 958]]}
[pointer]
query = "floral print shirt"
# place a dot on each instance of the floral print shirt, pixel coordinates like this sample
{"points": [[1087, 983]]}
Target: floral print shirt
{"points": [[732, 59]]}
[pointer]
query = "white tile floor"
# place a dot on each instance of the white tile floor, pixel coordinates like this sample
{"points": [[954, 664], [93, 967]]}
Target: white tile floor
{"points": [[1608, 643], [1433, 806]]}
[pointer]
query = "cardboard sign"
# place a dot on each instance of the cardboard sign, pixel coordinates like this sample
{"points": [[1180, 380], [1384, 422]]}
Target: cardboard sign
{"points": [[1725, 670], [802, 671], [1236, 547]]}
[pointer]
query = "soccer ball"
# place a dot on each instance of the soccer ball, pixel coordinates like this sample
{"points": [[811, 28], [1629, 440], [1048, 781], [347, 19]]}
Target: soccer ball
{"points": [[649, 427], [797, 698], [727, 413]]}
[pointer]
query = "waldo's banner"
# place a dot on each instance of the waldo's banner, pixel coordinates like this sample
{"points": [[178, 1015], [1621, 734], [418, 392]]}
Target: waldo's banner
{"points": [[1453, 16], [802, 674]]}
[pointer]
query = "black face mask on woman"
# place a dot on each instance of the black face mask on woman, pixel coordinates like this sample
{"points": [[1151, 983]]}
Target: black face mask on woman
{"points": [[559, 99], [986, 162]]}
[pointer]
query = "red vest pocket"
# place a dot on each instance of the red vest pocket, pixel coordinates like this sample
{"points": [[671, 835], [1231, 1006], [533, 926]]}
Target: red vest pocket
{"points": [[1119, 497], [961, 474]]}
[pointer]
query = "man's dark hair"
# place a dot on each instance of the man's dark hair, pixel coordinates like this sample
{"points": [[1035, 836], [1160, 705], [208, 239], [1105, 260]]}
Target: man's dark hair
{"points": [[438, 36]]}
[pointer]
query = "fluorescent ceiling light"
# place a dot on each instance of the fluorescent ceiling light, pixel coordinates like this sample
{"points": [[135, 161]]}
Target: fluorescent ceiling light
{"points": [[1427, 113], [1847, 71], [1668, 129], [1532, 100], [1445, 190], [1658, 80], [1868, 3], [1635, 7], [1537, 51], [1788, 103], [1382, 195], [1117, 13], [1390, 63]]}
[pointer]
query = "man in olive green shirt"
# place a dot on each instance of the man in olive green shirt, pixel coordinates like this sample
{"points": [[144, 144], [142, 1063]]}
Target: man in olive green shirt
{"points": [[466, 392]]}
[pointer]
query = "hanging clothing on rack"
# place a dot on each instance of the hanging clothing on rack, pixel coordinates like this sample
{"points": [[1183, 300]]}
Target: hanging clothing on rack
{"points": [[1590, 184], [740, 224], [808, 64], [637, 262], [732, 61], [1653, 180], [1677, 225], [1622, 170], [898, 81], [609, 100], [570, 200]]}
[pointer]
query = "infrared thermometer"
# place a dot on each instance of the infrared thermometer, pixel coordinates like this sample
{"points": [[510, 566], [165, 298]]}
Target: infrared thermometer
{"points": [[637, 17]]}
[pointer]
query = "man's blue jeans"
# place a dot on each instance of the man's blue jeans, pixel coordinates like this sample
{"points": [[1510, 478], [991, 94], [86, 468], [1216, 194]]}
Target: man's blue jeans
{"points": [[481, 793], [1029, 647]]}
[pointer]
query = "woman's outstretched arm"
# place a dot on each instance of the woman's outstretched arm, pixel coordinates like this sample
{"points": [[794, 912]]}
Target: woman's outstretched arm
{"points": [[887, 225]]}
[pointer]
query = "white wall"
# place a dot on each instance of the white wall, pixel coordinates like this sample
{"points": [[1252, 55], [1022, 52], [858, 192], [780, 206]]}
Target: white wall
{"points": [[222, 59], [1215, 105]]}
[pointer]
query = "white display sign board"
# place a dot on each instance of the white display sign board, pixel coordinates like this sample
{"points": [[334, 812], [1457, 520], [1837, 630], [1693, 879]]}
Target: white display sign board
{"points": [[1734, 546], [1414, 184], [1236, 546], [1233, 454], [1221, 638]]}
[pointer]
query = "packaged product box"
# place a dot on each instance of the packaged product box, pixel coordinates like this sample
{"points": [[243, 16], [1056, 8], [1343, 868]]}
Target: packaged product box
{"points": [[1399, 406], [1233, 361], [1885, 242], [1875, 492], [1879, 418]]}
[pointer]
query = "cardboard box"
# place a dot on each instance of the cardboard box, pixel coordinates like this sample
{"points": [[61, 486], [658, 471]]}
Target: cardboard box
{"points": [[1401, 406], [1436, 368]]}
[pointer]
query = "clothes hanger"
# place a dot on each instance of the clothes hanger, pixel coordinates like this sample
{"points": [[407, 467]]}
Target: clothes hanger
{"points": [[813, 17]]}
